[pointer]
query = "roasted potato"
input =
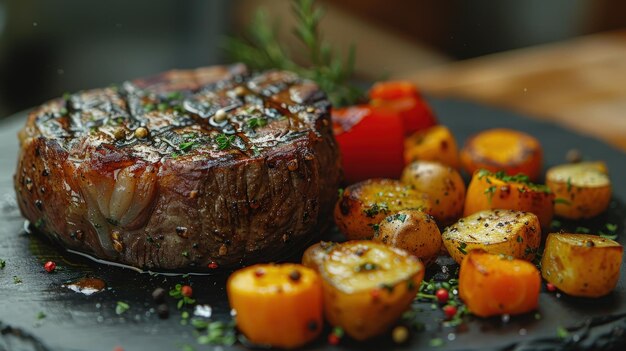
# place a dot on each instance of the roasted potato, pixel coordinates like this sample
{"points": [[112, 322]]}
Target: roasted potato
{"points": [[493, 285], [367, 286], [580, 264], [413, 231], [583, 189], [363, 205], [444, 186], [505, 150], [256, 291], [433, 144], [499, 191], [506, 232], [316, 253]]}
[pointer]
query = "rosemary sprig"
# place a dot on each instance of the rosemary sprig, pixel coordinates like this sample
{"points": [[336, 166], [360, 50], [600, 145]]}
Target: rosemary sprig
{"points": [[261, 49]]}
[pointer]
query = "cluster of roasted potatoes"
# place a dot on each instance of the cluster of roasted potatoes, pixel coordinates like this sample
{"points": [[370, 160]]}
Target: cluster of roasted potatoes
{"points": [[493, 228]]}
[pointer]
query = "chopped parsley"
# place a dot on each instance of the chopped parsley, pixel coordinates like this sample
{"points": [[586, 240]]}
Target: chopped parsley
{"points": [[39, 223], [186, 146], [17, 280], [563, 201], [3, 263], [569, 184], [176, 95], [462, 247], [518, 178], [520, 239], [41, 315], [561, 332], [435, 342], [490, 191], [376, 228], [121, 307], [224, 141], [148, 107], [217, 332], [375, 209], [612, 231], [182, 300], [397, 217], [162, 106], [256, 122]]}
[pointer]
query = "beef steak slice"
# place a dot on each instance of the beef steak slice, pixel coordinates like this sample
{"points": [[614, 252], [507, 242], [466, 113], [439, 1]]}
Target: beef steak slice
{"points": [[183, 169]]}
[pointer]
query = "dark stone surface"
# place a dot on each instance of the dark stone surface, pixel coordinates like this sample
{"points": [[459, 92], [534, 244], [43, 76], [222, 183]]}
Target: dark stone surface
{"points": [[78, 322]]}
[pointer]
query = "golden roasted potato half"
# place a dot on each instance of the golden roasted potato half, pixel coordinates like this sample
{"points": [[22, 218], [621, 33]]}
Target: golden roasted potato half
{"points": [[367, 286], [444, 186], [581, 264], [363, 205], [505, 150], [316, 253], [583, 189], [492, 285], [506, 232], [500, 191], [413, 231], [433, 144]]}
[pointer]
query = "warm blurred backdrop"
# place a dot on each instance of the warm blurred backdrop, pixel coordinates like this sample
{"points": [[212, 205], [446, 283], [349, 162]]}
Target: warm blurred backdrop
{"points": [[49, 47]]}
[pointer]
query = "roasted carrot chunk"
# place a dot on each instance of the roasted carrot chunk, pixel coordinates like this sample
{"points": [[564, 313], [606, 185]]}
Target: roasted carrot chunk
{"points": [[493, 285], [500, 191], [505, 150], [277, 305]]}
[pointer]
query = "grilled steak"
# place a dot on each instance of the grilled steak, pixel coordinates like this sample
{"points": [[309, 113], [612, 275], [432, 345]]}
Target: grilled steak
{"points": [[185, 170]]}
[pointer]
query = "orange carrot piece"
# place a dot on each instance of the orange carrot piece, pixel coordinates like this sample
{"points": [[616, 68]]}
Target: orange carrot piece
{"points": [[493, 285]]}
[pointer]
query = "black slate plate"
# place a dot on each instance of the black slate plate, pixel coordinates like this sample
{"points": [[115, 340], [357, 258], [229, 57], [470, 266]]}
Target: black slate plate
{"points": [[77, 322]]}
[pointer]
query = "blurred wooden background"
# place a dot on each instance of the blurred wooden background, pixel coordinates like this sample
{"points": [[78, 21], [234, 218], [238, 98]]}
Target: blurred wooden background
{"points": [[458, 48], [575, 82]]}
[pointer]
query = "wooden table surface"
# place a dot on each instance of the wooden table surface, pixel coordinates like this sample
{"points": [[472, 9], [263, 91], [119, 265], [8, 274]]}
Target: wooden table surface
{"points": [[579, 84]]}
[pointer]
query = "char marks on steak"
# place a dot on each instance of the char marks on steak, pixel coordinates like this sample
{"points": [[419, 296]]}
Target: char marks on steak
{"points": [[183, 169]]}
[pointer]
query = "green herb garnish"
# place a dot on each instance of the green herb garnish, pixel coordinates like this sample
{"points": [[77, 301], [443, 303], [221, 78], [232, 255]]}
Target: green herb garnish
{"points": [[561, 332], [3, 263], [224, 141], [17, 280], [121, 307], [490, 191], [612, 231], [397, 217], [261, 49], [375, 209], [563, 201], [518, 178], [435, 342], [182, 300], [256, 122], [186, 146], [217, 333], [462, 247], [148, 107]]}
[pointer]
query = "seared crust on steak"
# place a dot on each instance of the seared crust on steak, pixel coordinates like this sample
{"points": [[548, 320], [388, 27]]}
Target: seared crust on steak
{"points": [[182, 170]]}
